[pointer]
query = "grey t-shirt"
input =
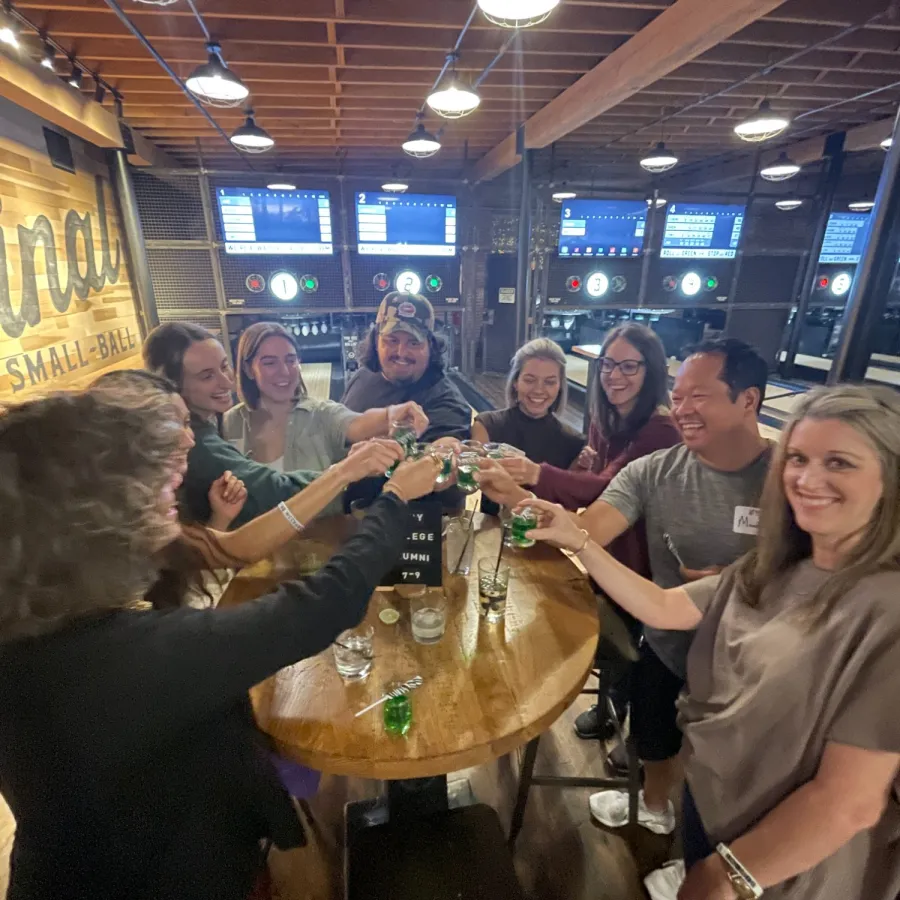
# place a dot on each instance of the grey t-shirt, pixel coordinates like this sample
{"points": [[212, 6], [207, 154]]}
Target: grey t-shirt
{"points": [[693, 513]]}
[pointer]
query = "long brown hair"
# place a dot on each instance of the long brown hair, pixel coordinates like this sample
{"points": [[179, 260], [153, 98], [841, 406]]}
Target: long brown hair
{"points": [[539, 348], [654, 393], [248, 347], [874, 413]]}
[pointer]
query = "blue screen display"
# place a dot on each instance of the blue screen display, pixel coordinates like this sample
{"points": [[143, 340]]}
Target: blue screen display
{"points": [[602, 227], [702, 231], [262, 221], [844, 237], [406, 224]]}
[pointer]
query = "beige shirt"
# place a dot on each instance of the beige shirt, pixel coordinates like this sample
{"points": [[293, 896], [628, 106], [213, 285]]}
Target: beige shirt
{"points": [[766, 693]]}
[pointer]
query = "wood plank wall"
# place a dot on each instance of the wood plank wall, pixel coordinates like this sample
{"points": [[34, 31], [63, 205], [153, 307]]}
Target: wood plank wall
{"points": [[67, 313]]}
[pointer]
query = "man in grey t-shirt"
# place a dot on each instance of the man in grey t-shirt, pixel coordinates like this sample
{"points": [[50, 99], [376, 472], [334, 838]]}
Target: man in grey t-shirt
{"points": [[699, 502]]}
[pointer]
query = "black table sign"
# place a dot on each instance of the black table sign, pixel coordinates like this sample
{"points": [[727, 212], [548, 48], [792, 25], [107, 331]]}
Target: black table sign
{"points": [[421, 561]]}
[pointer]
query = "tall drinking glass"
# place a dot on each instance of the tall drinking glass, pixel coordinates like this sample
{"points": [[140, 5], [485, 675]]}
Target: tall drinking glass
{"points": [[493, 584]]}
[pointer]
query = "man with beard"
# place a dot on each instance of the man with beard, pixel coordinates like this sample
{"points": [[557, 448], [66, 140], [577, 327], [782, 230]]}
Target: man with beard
{"points": [[402, 360]]}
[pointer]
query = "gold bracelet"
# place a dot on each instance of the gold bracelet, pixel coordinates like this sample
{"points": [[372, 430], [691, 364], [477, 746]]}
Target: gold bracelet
{"points": [[583, 547]]}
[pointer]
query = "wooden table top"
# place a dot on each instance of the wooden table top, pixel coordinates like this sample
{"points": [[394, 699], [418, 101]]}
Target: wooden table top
{"points": [[487, 688], [588, 351]]}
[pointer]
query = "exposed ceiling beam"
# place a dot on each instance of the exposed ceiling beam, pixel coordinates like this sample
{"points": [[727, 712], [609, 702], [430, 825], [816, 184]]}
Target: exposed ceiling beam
{"points": [[676, 36], [863, 137], [44, 94]]}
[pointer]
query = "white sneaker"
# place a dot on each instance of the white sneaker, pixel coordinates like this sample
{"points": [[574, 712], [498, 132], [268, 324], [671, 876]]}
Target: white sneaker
{"points": [[610, 808], [665, 883]]}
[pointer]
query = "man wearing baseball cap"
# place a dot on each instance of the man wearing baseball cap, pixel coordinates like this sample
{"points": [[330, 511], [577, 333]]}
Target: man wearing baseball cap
{"points": [[401, 360]]}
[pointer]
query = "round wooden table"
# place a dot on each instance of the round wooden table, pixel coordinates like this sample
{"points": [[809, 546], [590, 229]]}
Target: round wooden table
{"points": [[488, 688]]}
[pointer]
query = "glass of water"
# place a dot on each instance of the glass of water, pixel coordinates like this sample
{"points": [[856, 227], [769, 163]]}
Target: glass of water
{"points": [[353, 652], [493, 584], [428, 617], [458, 546]]}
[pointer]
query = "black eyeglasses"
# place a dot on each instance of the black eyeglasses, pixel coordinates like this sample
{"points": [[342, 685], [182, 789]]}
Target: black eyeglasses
{"points": [[628, 367]]}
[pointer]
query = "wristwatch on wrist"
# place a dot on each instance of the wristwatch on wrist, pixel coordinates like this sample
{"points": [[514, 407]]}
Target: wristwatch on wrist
{"points": [[745, 886]]}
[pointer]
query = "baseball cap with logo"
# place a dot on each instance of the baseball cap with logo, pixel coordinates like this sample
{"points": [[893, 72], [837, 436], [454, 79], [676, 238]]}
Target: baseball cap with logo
{"points": [[405, 312]]}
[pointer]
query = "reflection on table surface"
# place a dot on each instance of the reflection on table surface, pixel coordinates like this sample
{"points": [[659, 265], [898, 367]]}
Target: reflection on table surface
{"points": [[487, 688]]}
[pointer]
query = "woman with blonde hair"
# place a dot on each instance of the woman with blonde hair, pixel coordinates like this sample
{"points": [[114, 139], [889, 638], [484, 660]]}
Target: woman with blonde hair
{"points": [[792, 742], [279, 424], [128, 752]]}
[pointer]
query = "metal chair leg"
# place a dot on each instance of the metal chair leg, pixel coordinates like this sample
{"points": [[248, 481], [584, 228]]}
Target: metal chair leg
{"points": [[525, 775]]}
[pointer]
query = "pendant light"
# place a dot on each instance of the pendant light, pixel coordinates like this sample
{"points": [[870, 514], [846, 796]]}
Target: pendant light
{"points": [[395, 187], [886, 144], [861, 205], [454, 99], [563, 194], [517, 13], [660, 202], [282, 186], [659, 160], [787, 204], [214, 84], [421, 143], [762, 125], [780, 170], [250, 138]]}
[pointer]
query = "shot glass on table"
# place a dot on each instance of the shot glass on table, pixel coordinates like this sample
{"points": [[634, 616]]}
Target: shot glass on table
{"points": [[428, 616], [353, 652], [493, 586], [466, 466]]}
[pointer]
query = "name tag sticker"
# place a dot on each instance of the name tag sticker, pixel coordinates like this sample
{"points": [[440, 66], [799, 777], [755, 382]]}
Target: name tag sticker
{"points": [[746, 519]]}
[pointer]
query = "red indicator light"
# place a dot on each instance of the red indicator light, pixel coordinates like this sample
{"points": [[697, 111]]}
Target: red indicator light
{"points": [[576, 283], [823, 282]]}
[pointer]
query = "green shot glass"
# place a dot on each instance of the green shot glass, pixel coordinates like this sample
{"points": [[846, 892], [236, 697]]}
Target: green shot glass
{"points": [[398, 714], [520, 524], [445, 455], [466, 467]]}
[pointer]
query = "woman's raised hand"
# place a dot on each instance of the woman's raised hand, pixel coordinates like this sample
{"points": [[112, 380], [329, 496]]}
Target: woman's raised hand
{"points": [[415, 477], [555, 525], [369, 458]]}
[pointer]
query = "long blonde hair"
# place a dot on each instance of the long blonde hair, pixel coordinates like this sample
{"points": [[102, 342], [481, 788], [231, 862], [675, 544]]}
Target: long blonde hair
{"points": [[874, 413]]}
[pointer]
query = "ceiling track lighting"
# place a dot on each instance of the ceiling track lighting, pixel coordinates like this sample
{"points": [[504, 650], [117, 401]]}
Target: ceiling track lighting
{"points": [[517, 13], [99, 93], [788, 204], [659, 160], [76, 76], [421, 143], [9, 29], [250, 138], [762, 125], [48, 58], [453, 99], [214, 84], [781, 169]]}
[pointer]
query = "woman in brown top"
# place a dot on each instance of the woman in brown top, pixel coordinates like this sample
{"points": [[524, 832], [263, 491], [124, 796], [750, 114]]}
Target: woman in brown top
{"points": [[792, 741]]}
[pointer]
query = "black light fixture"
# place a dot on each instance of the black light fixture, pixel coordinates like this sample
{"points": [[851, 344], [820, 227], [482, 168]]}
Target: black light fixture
{"points": [[780, 169], [762, 125], [788, 204], [99, 93], [48, 56], [250, 138], [454, 98], [659, 160], [517, 13], [421, 143], [76, 76], [214, 84]]}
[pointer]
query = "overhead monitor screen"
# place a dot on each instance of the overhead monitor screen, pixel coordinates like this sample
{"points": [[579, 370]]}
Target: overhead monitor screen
{"points": [[602, 228], [259, 221], [844, 237], [702, 231], [406, 224]]}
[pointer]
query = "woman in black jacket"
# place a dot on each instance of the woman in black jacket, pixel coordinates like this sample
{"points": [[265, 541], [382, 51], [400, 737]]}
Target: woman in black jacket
{"points": [[126, 754]]}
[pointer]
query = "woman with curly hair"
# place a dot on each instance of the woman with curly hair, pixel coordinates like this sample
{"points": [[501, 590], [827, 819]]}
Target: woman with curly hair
{"points": [[128, 753]]}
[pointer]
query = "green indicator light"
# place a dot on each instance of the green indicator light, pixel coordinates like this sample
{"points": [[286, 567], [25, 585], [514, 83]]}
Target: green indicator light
{"points": [[712, 283]]}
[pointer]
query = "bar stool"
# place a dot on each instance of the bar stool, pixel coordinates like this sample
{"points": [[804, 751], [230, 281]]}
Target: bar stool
{"points": [[615, 659]]}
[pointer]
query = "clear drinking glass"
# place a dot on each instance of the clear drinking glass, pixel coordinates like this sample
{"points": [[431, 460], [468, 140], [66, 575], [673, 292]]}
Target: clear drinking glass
{"points": [[493, 451], [428, 617], [353, 652], [458, 546], [445, 455], [493, 584], [521, 523], [466, 466]]}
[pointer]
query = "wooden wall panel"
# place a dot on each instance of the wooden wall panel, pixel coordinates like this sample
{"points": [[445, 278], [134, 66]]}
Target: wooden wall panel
{"points": [[67, 313]]}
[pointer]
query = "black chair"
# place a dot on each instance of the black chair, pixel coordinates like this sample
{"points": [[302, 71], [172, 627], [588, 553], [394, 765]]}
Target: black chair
{"points": [[615, 659], [460, 854]]}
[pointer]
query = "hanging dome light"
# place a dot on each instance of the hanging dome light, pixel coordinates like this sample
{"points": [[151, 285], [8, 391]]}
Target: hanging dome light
{"points": [[453, 101], [762, 125], [395, 187], [421, 143], [787, 204], [250, 138], [861, 205], [561, 195], [780, 170], [659, 160], [887, 143], [214, 84], [660, 201], [517, 13], [282, 186]]}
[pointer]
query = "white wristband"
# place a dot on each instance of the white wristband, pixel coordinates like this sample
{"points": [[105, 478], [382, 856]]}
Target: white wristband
{"points": [[292, 520]]}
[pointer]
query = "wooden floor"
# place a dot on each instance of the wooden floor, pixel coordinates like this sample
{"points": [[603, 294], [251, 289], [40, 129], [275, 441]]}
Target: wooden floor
{"points": [[317, 378], [561, 853]]}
